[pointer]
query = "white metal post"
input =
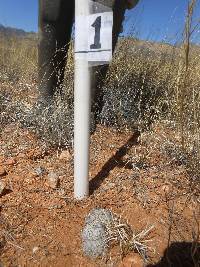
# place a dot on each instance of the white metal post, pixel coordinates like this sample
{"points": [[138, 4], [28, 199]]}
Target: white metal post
{"points": [[82, 99]]}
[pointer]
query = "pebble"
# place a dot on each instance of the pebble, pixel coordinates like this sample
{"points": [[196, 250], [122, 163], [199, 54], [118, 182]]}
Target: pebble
{"points": [[53, 180], [10, 161], [1, 159], [39, 171], [65, 154], [2, 172], [166, 188], [2, 187], [35, 249], [108, 186], [21, 155], [61, 192], [132, 260]]}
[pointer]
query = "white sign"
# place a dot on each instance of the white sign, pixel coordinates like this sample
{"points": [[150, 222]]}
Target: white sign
{"points": [[93, 37]]}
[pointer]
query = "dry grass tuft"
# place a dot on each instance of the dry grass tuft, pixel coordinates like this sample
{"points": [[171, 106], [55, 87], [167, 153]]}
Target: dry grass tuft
{"points": [[119, 232]]}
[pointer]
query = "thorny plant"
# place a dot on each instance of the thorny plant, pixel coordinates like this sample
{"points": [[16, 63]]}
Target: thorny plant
{"points": [[120, 233]]}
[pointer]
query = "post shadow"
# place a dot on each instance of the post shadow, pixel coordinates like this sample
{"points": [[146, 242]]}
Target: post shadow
{"points": [[180, 254], [114, 161]]}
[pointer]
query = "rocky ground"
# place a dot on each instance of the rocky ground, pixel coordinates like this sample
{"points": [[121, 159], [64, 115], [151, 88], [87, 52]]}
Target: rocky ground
{"points": [[142, 178]]}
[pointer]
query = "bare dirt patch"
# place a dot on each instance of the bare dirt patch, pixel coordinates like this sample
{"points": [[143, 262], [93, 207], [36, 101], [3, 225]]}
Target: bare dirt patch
{"points": [[132, 175]]}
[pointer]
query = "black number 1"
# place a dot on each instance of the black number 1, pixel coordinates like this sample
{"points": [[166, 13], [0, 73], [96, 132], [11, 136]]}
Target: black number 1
{"points": [[97, 26]]}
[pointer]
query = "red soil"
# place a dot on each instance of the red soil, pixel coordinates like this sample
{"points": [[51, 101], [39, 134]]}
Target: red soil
{"points": [[41, 226]]}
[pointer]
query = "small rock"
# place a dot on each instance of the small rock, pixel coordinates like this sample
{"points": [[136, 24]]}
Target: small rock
{"points": [[53, 180], [55, 207], [61, 192], [166, 188], [10, 161], [2, 172], [29, 178], [39, 171], [108, 186], [1, 159], [35, 249], [132, 260], [65, 154], [2, 187], [21, 155]]}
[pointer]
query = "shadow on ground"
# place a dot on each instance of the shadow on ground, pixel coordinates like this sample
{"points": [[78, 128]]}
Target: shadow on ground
{"points": [[114, 161], [180, 254]]}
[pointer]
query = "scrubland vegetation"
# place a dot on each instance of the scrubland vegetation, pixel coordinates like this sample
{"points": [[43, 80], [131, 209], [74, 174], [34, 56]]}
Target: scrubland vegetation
{"points": [[147, 83]]}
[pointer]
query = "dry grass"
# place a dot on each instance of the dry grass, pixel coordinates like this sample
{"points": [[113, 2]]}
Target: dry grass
{"points": [[147, 82], [119, 232], [144, 84], [18, 59]]}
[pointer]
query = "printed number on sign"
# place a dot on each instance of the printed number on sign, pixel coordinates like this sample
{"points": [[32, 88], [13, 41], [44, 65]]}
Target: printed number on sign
{"points": [[97, 36]]}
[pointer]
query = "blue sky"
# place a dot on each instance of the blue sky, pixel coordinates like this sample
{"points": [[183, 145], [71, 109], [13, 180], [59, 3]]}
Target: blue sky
{"points": [[160, 20], [151, 19]]}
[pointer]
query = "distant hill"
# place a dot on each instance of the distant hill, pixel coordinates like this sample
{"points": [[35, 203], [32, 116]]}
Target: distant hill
{"points": [[133, 45], [155, 49], [9, 31]]}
